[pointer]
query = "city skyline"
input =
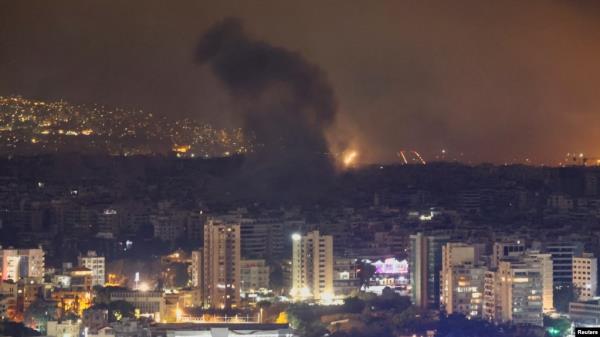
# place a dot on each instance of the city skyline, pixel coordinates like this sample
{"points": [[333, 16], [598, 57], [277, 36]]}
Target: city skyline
{"points": [[474, 76], [273, 168]]}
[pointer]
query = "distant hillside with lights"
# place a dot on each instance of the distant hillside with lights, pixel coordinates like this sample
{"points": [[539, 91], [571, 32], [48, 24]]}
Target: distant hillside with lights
{"points": [[31, 127]]}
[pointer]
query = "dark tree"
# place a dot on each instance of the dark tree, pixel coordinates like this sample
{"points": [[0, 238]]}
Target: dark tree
{"points": [[365, 272], [16, 330], [460, 326], [39, 313], [118, 310], [306, 320], [353, 305]]}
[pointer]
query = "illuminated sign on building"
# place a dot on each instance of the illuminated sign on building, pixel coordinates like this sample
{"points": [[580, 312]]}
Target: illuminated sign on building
{"points": [[391, 266]]}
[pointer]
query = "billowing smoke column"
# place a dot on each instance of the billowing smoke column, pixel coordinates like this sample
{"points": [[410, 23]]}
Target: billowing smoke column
{"points": [[286, 105]]}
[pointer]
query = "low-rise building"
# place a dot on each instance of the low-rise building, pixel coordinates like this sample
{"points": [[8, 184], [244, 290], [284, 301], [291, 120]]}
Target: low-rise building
{"points": [[149, 303], [222, 330], [94, 319], [254, 275], [81, 278], [585, 312], [63, 329], [345, 280], [106, 331]]}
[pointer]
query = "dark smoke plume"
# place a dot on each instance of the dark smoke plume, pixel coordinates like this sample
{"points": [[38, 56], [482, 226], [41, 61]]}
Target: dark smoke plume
{"points": [[285, 104]]}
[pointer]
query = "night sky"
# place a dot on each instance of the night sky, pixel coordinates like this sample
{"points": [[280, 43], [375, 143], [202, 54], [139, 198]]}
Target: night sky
{"points": [[495, 80]]}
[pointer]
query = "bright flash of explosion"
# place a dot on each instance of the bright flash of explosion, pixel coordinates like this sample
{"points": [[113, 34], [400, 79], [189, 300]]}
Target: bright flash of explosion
{"points": [[349, 158]]}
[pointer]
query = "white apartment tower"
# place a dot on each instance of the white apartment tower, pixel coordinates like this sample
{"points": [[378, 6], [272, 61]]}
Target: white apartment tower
{"points": [[196, 268], [312, 266], [520, 290], [547, 272], [95, 263], [197, 282], [585, 276]]}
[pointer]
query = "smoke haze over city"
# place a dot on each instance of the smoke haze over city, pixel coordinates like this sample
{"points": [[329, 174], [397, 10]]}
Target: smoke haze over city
{"points": [[501, 82], [263, 168]]}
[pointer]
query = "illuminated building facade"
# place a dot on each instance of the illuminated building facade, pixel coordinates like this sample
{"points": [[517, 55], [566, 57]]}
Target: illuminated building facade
{"points": [[74, 301], [585, 276], [546, 265], [519, 291], [222, 262], [196, 268], [462, 290], [312, 266], [254, 275], [16, 264], [81, 278], [345, 276], [97, 265], [462, 279], [390, 272], [149, 303]]}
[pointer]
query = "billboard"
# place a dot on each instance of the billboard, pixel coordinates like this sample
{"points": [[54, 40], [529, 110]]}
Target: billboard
{"points": [[391, 266]]}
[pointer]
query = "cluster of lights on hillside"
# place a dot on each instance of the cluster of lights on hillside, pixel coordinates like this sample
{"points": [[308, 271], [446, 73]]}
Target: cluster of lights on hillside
{"points": [[32, 127]]}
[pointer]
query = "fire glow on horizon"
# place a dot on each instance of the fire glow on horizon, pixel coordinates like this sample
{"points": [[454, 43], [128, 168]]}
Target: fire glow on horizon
{"points": [[349, 158]]}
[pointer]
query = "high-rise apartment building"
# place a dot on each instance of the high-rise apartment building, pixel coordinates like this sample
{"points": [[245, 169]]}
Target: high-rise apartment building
{"points": [[462, 290], [222, 257], [585, 276], [547, 273], [197, 282], [312, 266], [462, 279], [95, 263], [520, 290], [16, 264], [425, 267]]}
